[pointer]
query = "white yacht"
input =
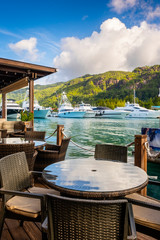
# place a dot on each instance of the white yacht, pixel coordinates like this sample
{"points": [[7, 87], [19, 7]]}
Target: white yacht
{"points": [[66, 110], [89, 113], [109, 113], [13, 109], [39, 111], [136, 111]]}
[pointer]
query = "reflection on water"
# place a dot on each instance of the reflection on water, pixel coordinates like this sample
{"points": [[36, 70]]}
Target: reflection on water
{"points": [[88, 132]]}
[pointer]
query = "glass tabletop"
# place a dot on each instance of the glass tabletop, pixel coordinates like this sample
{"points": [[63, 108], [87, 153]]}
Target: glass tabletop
{"points": [[20, 141], [90, 177]]}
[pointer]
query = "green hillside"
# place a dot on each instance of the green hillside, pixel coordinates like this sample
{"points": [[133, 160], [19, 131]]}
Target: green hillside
{"points": [[110, 89]]}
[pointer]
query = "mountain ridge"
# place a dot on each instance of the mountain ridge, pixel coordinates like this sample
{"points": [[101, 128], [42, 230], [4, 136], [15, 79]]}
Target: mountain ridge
{"points": [[98, 89]]}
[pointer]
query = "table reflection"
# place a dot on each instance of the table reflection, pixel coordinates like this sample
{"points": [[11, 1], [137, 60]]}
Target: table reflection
{"points": [[90, 175]]}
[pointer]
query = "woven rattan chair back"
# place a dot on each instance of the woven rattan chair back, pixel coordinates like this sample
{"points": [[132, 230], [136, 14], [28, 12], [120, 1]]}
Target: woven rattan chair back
{"points": [[14, 172], [111, 152], [28, 148], [51, 154], [35, 135], [80, 219], [63, 148]]}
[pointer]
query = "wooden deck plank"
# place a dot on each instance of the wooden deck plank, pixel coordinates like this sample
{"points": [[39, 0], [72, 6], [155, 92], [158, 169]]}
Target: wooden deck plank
{"points": [[142, 236], [32, 230], [6, 234], [17, 232]]}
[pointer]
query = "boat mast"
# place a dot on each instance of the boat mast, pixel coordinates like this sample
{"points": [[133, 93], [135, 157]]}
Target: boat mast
{"points": [[134, 95]]}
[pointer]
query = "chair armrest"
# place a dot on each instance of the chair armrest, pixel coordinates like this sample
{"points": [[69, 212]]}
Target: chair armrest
{"points": [[144, 204], [21, 194], [48, 151], [52, 147], [132, 223], [36, 173]]}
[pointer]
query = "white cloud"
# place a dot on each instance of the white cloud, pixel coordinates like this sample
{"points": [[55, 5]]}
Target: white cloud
{"points": [[121, 5], [115, 47], [26, 48], [84, 17], [154, 14]]}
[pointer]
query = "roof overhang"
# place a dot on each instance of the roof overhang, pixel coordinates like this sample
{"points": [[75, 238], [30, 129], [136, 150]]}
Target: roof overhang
{"points": [[15, 74]]}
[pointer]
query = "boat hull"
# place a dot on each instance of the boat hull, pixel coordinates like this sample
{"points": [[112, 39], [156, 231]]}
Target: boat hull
{"points": [[143, 115], [13, 116], [71, 114], [42, 113], [89, 115], [112, 114]]}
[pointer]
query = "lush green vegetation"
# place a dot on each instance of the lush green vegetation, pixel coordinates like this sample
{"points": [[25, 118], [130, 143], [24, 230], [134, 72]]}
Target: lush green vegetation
{"points": [[109, 89]]}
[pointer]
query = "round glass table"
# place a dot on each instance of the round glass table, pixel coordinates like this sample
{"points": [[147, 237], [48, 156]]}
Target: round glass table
{"points": [[21, 141], [90, 178]]}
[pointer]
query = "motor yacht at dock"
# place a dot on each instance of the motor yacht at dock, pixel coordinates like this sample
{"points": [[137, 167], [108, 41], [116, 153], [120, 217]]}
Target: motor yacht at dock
{"points": [[136, 111], [66, 110], [109, 113], [39, 111], [13, 109], [89, 113]]}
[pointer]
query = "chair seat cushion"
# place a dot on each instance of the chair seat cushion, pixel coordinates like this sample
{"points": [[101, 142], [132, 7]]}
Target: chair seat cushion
{"points": [[29, 207]]}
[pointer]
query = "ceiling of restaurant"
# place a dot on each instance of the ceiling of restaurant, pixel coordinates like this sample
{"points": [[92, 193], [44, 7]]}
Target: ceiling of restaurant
{"points": [[12, 72]]}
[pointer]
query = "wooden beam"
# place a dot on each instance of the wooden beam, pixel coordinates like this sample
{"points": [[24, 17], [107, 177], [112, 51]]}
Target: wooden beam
{"points": [[16, 85], [30, 66]]}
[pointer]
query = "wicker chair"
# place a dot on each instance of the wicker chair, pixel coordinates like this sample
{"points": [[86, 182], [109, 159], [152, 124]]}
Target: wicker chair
{"points": [[28, 148], [35, 135], [111, 152], [14, 128], [51, 154], [17, 204], [79, 219]]}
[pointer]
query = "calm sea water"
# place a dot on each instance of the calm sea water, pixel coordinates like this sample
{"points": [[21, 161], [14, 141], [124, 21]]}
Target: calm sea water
{"points": [[87, 132]]}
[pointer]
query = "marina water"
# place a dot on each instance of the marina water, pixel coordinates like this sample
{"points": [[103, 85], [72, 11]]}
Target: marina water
{"points": [[87, 132]]}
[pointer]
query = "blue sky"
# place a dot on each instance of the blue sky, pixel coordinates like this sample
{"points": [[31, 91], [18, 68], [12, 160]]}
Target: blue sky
{"points": [[82, 36]]}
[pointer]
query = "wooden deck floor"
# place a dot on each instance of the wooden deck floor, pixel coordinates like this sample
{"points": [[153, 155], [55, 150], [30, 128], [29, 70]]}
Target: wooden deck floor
{"points": [[32, 231]]}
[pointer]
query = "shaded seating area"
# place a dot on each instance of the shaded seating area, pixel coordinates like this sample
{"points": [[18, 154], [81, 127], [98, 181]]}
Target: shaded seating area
{"points": [[111, 152], [71, 218], [51, 154], [28, 148], [11, 128], [28, 205]]}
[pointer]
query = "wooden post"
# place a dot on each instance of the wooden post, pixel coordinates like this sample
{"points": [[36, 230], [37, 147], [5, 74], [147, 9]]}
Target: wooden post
{"points": [[4, 106], [31, 99], [59, 134], [141, 156]]}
